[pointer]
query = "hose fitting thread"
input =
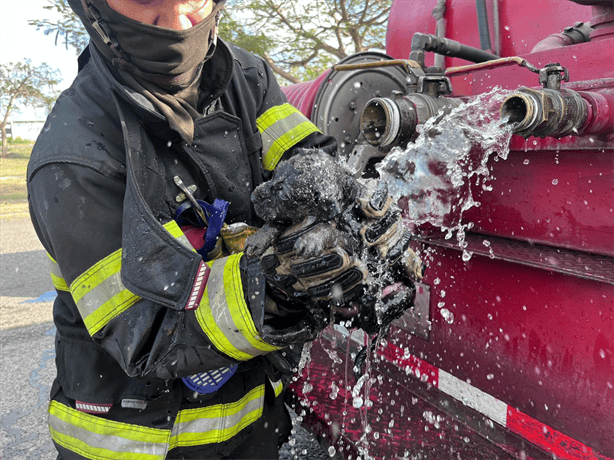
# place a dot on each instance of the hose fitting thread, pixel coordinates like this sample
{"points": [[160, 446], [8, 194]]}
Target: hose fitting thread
{"points": [[544, 112]]}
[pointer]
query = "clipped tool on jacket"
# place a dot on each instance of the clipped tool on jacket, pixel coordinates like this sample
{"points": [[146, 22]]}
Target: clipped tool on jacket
{"points": [[202, 223]]}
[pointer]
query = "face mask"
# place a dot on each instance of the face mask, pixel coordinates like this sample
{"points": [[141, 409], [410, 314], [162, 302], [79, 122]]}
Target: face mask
{"points": [[171, 59]]}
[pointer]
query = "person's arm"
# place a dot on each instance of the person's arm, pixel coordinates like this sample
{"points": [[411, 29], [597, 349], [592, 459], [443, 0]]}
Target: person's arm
{"points": [[285, 131], [77, 213]]}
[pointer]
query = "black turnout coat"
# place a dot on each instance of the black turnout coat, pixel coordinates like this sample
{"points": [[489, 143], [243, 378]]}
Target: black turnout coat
{"points": [[137, 308]]}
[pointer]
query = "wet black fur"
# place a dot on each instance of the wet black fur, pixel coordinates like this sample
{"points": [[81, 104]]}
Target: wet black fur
{"points": [[312, 184]]}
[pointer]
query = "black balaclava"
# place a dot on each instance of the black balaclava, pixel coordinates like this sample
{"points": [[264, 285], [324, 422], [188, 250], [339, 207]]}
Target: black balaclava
{"points": [[164, 65]]}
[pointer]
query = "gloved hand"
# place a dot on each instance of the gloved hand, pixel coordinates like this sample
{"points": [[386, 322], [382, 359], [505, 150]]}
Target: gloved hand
{"points": [[345, 246], [302, 272], [312, 264], [393, 264], [383, 232]]}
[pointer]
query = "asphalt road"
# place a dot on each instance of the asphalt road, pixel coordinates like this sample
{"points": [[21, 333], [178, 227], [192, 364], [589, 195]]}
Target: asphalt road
{"points": [[28, 369], [27, 353]]}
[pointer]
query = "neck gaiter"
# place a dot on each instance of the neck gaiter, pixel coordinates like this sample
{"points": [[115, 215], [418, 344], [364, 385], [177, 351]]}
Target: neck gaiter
{"points": [[164, 65]]}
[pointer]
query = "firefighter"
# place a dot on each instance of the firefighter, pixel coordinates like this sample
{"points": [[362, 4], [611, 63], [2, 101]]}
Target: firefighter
{"points": [[167, 344]]}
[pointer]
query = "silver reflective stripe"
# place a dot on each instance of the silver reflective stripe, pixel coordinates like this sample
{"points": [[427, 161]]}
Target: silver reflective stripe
{"points": [[55, 268], [220, 311], [107, 442], [105, 291], [273, 132], [56, 275], [220, 424], [278, 386]]}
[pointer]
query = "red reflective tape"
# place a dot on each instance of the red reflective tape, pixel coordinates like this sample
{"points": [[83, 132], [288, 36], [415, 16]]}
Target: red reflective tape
{"points": [[421, 369], [548, 438], [92, 408], [198, 289]]}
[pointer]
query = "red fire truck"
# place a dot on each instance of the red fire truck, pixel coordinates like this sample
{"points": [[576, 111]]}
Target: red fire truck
{"points": [[525, 369]]}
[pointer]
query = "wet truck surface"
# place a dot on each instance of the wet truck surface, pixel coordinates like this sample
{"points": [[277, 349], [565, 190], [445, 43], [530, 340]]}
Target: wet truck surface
{"points": [[508, 351]]}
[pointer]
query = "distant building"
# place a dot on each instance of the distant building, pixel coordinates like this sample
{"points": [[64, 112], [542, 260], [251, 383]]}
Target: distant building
{"points": [[27, 123]]}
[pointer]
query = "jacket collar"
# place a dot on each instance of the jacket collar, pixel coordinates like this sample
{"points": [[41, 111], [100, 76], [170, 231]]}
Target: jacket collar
{"points": [[216, 77]]}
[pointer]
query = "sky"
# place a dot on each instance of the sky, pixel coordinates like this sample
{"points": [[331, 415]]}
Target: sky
{"points": [[20, 41]]}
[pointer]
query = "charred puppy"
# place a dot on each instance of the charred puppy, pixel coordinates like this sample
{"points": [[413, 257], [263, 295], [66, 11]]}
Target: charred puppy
{"points": [[311, 190], [307, 189]]}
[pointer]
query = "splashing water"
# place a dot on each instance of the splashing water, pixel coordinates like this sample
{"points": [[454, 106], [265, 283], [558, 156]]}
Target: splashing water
{"points": [[434, 181], [431, 178]]}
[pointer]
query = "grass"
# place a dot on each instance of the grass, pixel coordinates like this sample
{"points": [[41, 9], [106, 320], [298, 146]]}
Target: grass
{"points": [[13, 193]]}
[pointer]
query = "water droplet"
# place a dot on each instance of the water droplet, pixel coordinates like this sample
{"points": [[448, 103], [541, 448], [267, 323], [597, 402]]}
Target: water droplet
{"points": [[447, 315], [555, 181]]}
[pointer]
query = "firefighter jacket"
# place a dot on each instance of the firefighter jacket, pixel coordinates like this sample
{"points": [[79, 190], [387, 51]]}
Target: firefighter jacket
{"points": [[137, 308]]}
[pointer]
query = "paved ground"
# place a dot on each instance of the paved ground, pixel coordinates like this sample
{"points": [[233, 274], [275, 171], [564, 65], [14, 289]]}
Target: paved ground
{"points": [[24, 275], [27, 354], [26, 340], [28, 369]]}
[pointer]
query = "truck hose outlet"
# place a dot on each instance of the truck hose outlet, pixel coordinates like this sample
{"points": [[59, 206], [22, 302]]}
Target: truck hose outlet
{"points": [[544, 112], [391, 122], [380, 121]]}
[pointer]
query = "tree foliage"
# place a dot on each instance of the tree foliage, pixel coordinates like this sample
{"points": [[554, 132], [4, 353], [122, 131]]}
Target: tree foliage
{"points": [[22, 84], [312, 35], [67, 29], [299, 39]]}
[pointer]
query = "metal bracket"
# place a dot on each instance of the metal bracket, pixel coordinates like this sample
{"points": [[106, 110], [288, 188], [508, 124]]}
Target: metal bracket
{"points": [[550, 77]]}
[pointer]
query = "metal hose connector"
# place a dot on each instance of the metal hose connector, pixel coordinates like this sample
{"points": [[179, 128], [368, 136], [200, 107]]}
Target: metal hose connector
{"points": [[389, 122], [544, 112], [380, 121]]}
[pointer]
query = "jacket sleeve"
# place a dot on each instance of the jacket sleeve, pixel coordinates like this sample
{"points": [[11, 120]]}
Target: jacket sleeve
{"points": [[77, 213], [284, 129]]}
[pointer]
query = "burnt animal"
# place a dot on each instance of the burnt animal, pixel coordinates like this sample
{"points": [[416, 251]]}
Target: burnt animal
{"points": [[312, 187]]}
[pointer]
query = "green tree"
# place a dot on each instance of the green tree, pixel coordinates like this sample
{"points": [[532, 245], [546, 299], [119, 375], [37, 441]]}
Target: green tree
{"points": [[298, 39], [310, 36], [68, 28], [24, 84]]}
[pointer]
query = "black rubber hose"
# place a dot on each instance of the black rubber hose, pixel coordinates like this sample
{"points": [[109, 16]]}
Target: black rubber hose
{"points": [[447, 47], [480, 6]]}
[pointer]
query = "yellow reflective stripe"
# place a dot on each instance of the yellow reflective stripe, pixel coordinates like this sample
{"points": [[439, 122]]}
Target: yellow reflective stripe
{"points": [[106, 268], [217, 423], [56, 275], [178, 234], [242, 321], [223, 313], [277, 387], [100, 294], [282, 127], [100, 439]]}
